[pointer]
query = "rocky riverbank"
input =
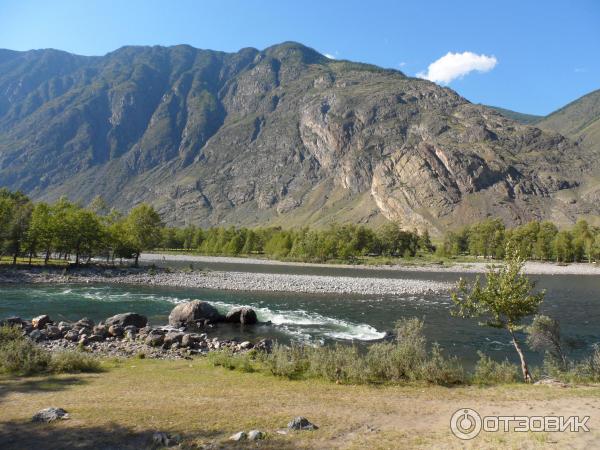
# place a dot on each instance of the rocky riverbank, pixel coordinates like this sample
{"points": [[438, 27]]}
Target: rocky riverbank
{"points": [[530, 268], [129, 334], [239, 281]]}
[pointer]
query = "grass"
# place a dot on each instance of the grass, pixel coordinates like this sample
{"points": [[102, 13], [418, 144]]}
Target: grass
{"points": [[35, 262], [121, 407]]}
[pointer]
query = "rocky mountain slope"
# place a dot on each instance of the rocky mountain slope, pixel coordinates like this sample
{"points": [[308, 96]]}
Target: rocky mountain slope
{"points": [[280, 136], [579, 120], [522, 118]]}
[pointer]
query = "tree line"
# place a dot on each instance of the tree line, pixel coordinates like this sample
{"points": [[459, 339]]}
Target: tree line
{"points": [[343, 242], [66, 230], [534, 241]]}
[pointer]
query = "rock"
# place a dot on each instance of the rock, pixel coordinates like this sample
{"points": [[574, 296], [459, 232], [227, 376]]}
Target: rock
{"points": [[255, 435], [264, 345], [173, 337], [193, 313], [101, 330], [116, 330], [130, 335], [64, 326], [163, 439], [83, 339], [243, 315], [50, 415], [40, 322], [96, 338], [72, 336], [127, 319], [155, 338], [53, 332], [188, 340], [301, 423], [12, 322], [246, 345], [37, 335], [84, 323], [241, 436]]}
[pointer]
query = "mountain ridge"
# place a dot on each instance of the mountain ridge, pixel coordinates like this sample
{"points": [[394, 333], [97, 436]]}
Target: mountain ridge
{"points": [[279, 136]]}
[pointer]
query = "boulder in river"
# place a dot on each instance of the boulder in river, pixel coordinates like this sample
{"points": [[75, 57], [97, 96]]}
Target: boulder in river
{"points": [[243, 315], [195, 312], [40, 322], [126, 319]]}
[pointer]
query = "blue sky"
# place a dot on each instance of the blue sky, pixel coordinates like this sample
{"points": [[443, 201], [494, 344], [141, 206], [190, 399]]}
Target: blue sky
{"points": [[537, 55]]}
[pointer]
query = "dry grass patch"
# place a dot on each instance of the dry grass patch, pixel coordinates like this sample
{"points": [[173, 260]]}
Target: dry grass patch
{"points": [[123, 406]]}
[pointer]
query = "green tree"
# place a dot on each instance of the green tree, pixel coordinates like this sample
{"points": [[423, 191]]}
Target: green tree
{"points": [[143, 229], [41, 233], [544, 248], [562, 246], [503, 302]]}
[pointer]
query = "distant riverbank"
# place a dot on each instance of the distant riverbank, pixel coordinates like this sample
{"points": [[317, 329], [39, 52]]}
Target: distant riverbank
{"points": [[237, 281], [531, 267]]}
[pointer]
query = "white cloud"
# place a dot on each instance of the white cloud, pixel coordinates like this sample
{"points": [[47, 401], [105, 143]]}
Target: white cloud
{"points": [[402, 64], [456, 65], [329, 55]]}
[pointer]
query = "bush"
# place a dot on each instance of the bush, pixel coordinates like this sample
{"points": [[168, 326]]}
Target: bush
{"points": [[244, 362], [488, 371], [440, 370], [339, 363], [74, 362], [23, 357], [290, 362], [8, 334]]}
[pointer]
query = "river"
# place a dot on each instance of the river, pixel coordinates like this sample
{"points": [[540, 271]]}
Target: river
{"points": [[323, 318]]}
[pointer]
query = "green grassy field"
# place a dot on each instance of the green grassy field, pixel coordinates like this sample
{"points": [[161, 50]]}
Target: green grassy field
{"points": [[123, 406]]}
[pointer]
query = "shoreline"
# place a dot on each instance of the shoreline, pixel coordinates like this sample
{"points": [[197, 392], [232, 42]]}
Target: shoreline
{"points": [[531, 267], [219, 280]]}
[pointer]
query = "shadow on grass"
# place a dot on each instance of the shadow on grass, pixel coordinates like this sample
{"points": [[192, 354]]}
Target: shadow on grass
{"points": [[62, 435], [46, 384]]}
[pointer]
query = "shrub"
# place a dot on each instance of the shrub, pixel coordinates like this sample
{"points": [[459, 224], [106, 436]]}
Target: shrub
{"points": [[9, 333], [338, 363], [488, 371], [244, 362], [23, 357], [287, 362], [73, 362], [437, 369]]}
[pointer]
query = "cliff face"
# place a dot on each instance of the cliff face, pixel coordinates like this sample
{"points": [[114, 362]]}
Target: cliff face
{"points": [[283, 136]]}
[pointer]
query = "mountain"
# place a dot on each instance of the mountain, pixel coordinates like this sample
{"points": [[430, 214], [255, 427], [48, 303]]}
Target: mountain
{"points": [[525, 119], [279, 136], [579, 120]]}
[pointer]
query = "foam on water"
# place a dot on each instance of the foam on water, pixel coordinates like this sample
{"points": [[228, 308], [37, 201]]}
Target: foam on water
{"points": [[298, 324]]}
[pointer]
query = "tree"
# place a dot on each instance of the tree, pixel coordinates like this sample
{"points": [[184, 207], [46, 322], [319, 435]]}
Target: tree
{"points": [[143, 229], [504, 301], [543, 248], [87, 232], [40, 234], [15, 217], [563, 247], [544, 335]]}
